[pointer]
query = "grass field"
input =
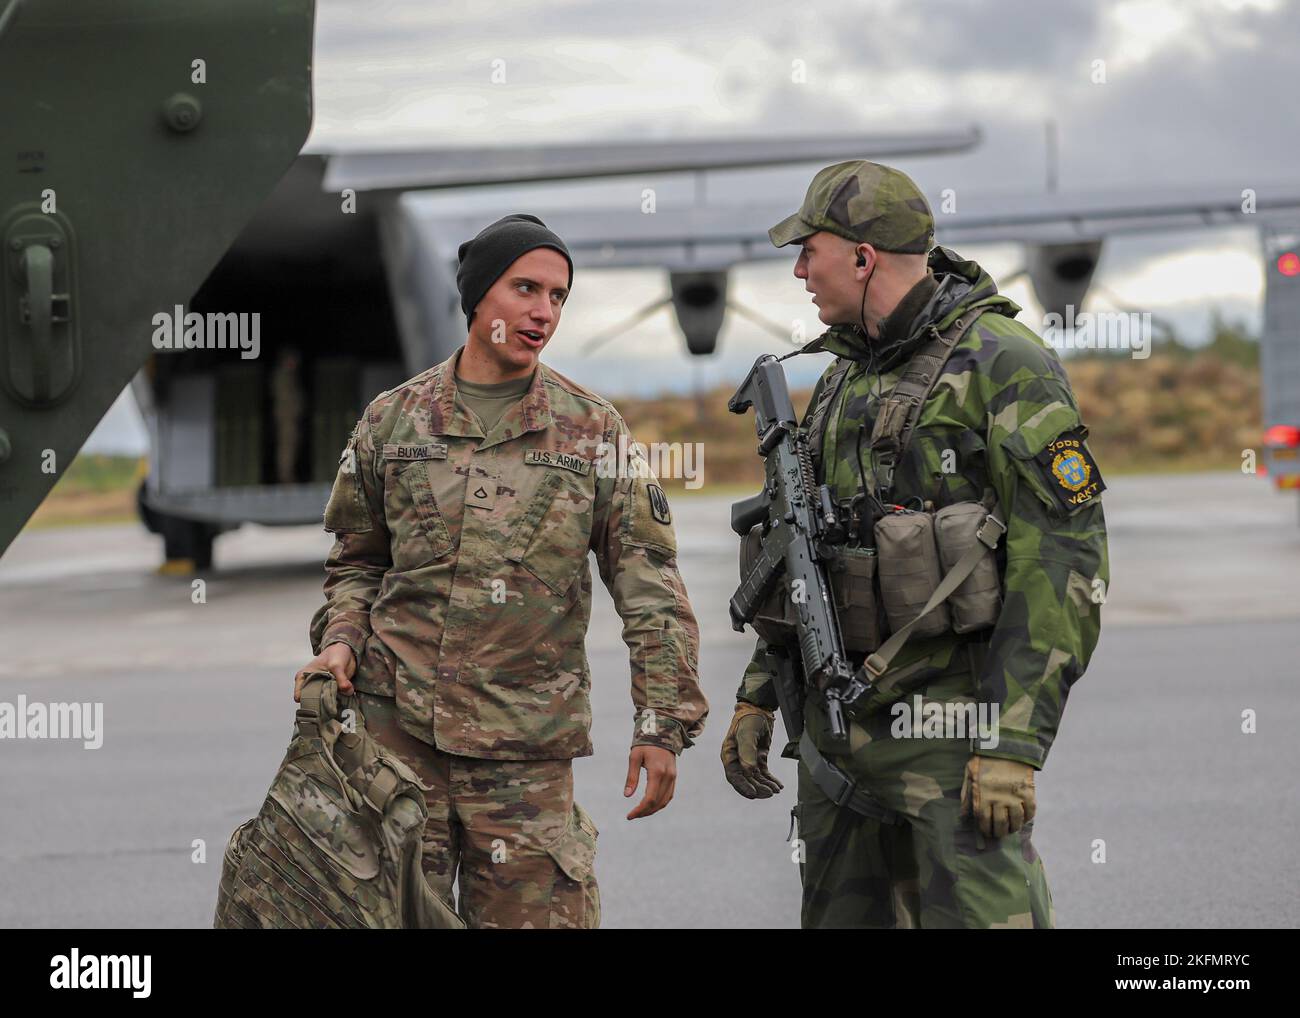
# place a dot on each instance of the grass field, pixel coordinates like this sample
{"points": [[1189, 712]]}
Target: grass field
{"points": [[1177, 411], [95, 489]]}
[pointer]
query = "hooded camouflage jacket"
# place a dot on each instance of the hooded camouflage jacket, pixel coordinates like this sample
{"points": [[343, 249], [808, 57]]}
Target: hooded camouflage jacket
{"points": [[1000, 418], [460, 579]]}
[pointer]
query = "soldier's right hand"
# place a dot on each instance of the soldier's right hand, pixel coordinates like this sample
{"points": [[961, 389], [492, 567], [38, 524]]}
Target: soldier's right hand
{"points": [[337, 659], [744, 752]]}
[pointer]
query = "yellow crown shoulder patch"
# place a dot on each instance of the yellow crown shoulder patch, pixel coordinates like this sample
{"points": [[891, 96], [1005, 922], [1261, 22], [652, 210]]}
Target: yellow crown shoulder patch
{"points": [[1072, 473]]}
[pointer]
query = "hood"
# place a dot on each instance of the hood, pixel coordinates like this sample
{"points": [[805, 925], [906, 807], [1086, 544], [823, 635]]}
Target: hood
{"points": [[963, 284]]}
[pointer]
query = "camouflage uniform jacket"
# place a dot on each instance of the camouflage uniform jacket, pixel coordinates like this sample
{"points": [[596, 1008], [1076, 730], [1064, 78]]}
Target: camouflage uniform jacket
{"points": [[459, 574], [999, 418]]}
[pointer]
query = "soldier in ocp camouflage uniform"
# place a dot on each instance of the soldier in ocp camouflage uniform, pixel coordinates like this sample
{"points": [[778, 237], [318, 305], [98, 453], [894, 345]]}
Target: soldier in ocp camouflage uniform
{"points": [[950, 845], [458, 588]]}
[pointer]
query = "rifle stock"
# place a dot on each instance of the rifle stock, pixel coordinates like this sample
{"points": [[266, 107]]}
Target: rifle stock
{"points": [[789, 696]]}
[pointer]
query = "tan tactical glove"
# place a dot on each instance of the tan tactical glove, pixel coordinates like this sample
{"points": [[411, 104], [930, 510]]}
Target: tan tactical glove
{"points": [[999, 793], [744, 752]]}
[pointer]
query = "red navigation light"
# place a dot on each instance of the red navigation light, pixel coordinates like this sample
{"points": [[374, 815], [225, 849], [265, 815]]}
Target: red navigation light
{"points": [[1289, 264], [1282, 434]]}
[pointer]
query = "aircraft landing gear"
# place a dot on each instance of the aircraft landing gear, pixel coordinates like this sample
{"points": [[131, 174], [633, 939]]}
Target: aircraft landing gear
{"points": [[186, 539], [187, 544]]}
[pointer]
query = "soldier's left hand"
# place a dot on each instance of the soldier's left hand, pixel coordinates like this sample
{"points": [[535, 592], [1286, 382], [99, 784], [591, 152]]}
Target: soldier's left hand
{"points": [[660, 766], [999, 793]]}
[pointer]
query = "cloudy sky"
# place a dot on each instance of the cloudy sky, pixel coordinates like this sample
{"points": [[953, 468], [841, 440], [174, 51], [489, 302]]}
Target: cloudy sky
{"points": [[1200, 92]]}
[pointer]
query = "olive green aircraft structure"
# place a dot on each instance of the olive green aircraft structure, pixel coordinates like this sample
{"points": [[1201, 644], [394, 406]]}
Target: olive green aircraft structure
{"points": [[139, 137]]}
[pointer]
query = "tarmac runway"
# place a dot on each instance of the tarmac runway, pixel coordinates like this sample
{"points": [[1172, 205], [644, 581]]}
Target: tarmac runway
{"points": [[1199, 820]]}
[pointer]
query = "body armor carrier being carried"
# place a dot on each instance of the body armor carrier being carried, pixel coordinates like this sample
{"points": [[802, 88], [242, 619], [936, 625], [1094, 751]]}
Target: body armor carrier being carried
{"points": [[337, 844]]}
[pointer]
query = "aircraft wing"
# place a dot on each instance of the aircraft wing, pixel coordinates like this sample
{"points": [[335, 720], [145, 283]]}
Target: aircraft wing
{"points": [[718, 235], [616, 237], [1061, 218], [467, 167]]}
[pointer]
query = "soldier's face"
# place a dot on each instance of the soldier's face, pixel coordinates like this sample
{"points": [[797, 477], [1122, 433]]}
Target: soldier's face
{"points": [[521, 311], [826, 264]]}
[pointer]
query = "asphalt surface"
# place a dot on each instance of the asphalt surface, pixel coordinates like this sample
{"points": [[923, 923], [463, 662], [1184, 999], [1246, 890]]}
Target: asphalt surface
{"points": [[1199, 820]]}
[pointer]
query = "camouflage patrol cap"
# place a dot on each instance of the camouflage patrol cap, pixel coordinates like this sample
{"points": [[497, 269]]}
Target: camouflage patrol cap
{"points": [[865, 203]]}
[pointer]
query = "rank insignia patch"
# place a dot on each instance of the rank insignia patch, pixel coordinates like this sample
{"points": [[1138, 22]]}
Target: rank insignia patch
{"points": [[1071, 470], [481, 492]]}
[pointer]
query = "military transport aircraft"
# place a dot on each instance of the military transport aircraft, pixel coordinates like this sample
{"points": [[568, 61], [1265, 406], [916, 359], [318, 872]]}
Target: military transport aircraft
{"points": [[366, 300], [138, 203], [144, 199]]}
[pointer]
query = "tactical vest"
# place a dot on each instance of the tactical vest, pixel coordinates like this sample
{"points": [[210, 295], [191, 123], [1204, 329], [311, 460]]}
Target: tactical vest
{"points": [[337, 844], [928, 571]]}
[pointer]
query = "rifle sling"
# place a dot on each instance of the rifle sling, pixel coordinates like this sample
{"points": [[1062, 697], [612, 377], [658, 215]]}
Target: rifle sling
{"points": [[891, 434], [839, 787], [896, 418]]}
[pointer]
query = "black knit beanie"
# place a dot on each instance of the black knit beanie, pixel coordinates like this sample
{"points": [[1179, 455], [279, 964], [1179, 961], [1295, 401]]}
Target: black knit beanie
{"points": [[487, 256]]}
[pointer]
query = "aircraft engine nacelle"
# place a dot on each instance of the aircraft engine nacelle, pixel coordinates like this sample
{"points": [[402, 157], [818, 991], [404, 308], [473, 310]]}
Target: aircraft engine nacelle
{"points": [[1061, 273], [700, 301]]}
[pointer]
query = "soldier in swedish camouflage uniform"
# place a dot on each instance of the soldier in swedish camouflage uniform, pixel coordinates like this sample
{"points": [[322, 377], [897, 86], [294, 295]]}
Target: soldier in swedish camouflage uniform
{"points": [[944, 839], [459, 591]]}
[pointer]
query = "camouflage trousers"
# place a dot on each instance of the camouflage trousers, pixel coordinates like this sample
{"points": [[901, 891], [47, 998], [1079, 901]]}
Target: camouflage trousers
{"points": [[507, 832], [934, 870]]}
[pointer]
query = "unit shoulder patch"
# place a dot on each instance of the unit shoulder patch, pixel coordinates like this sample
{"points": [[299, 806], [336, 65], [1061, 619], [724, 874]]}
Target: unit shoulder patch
{"points": [[647, 520], [346, 511], [1070, 470], [658, 504]]}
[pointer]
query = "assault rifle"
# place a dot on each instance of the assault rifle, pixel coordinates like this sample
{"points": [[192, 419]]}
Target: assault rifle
{"points": [[798, 521]]}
